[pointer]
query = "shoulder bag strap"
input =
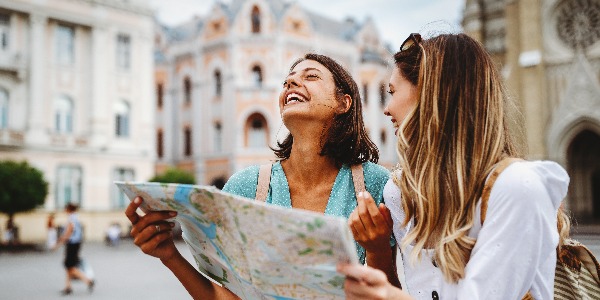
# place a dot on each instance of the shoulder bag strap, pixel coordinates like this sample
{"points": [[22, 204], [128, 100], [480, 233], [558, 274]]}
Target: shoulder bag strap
{"points": [[487, 188], [264, 179], [358, 178]]}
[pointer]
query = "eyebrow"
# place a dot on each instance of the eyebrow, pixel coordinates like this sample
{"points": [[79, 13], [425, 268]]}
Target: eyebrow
{"points": [[307, 69]]}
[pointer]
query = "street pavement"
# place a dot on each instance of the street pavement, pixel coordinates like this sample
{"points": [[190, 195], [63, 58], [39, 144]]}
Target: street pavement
{"points": [[122, 272]]}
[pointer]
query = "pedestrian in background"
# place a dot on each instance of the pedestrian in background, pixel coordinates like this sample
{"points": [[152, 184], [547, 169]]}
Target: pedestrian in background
{"points": [[52, 233], [72, 238]]}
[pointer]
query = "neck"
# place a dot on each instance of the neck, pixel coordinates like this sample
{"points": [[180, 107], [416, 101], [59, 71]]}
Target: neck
{"points": [[305, 163]]}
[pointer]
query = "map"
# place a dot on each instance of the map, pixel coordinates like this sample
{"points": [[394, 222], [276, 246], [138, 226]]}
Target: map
{"points": [[256, 250]]}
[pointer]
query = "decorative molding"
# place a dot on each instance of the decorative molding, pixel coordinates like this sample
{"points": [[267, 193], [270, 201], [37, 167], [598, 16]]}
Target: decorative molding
{"points": [[578, 22]]}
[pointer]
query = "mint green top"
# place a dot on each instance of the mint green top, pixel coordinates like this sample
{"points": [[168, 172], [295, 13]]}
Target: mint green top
{"points": [[342, 199]]}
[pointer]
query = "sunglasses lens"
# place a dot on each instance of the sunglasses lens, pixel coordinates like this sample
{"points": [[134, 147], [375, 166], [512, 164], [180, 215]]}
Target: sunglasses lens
{"points": [[407, 44]]}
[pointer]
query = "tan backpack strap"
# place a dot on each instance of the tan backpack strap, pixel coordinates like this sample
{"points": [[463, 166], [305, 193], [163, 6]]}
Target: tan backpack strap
{"points": [[487, 188], [264, 179], [358, 178]]}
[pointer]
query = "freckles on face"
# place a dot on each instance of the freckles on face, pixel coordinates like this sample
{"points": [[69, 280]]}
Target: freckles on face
{"points": [[403, 100]]}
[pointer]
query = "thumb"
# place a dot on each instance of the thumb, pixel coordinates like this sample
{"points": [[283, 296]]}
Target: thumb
{"points": [[387, 215]]}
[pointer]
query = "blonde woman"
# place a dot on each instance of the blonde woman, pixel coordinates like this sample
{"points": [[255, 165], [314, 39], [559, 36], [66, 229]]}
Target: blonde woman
{"points": [[449, 107]]}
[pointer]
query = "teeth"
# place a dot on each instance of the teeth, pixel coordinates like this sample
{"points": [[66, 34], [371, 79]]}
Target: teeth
{"points": [[294, 97]]}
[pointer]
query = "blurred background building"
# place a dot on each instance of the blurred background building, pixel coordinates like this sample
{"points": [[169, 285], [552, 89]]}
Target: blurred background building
{"points": [[549, 53], [218, 79], [76, 102], [93, 91]]}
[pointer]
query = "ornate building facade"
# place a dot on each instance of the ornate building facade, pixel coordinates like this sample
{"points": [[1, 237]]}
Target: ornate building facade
{"points": [[218, 78], [549, 53], [76, 102]]}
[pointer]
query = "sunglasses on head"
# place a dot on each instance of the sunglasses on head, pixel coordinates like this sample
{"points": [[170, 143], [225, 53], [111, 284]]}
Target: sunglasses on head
{"points": [[411, 40]]}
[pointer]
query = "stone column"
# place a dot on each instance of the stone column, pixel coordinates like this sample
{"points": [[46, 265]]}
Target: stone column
{"points": [[99, 116], [39, 100]]}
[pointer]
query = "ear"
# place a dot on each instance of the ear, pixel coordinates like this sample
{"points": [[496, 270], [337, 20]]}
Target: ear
{"points": [[345, 104]]}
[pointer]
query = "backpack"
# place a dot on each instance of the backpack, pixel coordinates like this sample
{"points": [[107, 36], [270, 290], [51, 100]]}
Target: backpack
{"points": [[577, 270]]}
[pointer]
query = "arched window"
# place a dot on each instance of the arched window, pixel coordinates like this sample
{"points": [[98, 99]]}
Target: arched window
{"points": [[218, 137], [218, 83], [187, 141], [4, 31], [383, 137], [3, 108], [63, 115], [120, 200], [256, 131], [68, 185], [187, 90], [255, 18], [257, 77], [382, 94], [122, 118], [159, 95], [159, 143], [365, 93]]}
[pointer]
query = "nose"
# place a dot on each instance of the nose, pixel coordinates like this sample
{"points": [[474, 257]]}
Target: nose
{"points": [[386, 111], [292, 81]]}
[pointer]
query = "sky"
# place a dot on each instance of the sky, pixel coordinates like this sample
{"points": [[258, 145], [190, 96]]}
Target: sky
{"points": [[395, 19]]}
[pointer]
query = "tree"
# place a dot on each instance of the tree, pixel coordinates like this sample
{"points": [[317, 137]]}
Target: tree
{"points": [[174, 175], [22, 188]]}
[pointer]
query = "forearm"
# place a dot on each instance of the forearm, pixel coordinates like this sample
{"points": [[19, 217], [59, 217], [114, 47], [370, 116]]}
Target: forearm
{"points": [[384, 261], [198, 286]]}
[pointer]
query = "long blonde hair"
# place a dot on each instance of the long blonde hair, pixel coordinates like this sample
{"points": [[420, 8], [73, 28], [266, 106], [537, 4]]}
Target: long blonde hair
{"points": [[449, 143]]}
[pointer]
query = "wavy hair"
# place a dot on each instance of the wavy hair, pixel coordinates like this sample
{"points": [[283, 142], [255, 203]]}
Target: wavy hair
{"points": [[346, 141], [449, 144]]}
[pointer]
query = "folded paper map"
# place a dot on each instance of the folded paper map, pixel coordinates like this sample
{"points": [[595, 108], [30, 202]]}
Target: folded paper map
{"points": [[256, 250]]}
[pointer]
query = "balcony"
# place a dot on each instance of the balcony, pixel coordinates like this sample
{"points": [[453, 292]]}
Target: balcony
{"points": [[11, 138], [13, 62]]}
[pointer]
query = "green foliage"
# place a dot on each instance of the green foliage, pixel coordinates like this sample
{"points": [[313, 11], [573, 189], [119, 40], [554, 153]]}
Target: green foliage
{"points": [[22, 187], [174, 175]]}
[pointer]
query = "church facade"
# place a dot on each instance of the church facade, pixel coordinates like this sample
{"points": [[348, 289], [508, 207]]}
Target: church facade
{"points": [[549, 54]]}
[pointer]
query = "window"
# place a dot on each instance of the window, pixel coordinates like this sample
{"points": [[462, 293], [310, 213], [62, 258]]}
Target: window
{"points": [[122, 116], [382, 94], [120, 200], [256, 127], [65, 44], [257, 77], [255, 18], [63, 115], [3, 109], [218, 137], [383, 137], [187, 90], [159, 95], [68, 185], [159, 143], [4, 31], [123, 51], [218, 83], [187, 140], [365, 93]]}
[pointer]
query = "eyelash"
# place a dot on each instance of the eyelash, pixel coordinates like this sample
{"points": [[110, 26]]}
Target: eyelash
{"points": [[307, 76], [390, 92]]}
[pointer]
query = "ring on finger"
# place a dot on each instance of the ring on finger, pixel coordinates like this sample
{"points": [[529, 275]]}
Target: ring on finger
{"points": [[157, 228]]}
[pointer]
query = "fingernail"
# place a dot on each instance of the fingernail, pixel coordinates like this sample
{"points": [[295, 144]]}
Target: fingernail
{"points": [[172, 225], [173, 213], [137, 200]]}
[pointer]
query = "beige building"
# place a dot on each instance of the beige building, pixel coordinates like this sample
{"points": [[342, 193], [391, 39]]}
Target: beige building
{"points": [[549, 53], [218, 78], [76, 101]]}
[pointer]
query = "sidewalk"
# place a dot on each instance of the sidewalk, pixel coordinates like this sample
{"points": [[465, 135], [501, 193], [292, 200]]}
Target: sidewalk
{"points": [[122, 272]]}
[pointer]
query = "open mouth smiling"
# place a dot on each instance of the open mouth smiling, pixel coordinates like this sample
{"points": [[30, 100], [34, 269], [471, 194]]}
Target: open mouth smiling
{"points": [[294, 97]]}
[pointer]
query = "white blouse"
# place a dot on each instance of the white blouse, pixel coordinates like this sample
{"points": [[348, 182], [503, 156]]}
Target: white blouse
{"points": [[515, 250]]}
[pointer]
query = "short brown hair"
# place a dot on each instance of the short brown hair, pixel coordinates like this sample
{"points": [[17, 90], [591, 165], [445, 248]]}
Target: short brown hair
{"points": [[346, 141]]}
